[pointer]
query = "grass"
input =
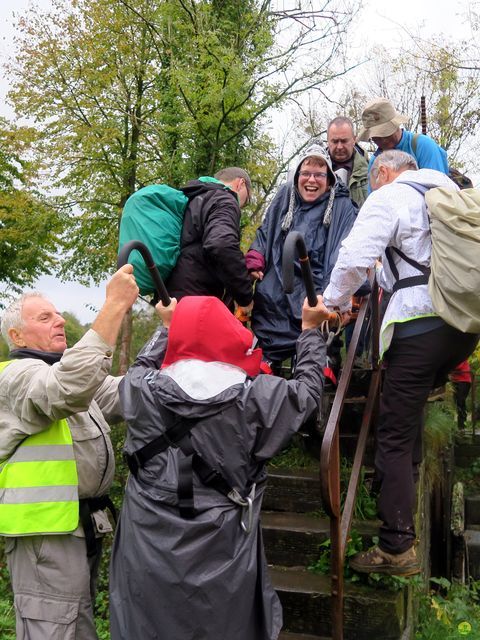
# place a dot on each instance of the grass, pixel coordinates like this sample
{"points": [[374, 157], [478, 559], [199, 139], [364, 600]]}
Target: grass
{"points": [[7, 614]]}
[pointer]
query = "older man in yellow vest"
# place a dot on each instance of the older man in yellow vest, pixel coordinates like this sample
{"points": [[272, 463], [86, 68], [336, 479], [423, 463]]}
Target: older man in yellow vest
{"points": [[56, 459]]}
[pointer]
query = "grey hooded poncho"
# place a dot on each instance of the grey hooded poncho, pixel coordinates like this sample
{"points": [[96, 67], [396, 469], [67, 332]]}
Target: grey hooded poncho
{"points": [[203, 578]]}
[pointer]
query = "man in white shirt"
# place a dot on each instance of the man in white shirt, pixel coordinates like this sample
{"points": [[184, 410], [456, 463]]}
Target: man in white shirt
{"points": [[418, 346]]}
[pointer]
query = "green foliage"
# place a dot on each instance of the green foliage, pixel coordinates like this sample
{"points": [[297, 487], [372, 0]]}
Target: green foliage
{"points": [[322, 565], [470, 477], [449, 611], [439, 431], [365, 502], [390, 583], [74, 330], [434, 69], [29, 227], [7, 614], [295, 456]]}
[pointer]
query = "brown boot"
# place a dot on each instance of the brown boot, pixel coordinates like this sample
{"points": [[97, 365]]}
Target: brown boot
{"points": [[377, 561]]}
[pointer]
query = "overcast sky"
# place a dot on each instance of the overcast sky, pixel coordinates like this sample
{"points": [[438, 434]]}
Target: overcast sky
{"points": [[386, 23]]}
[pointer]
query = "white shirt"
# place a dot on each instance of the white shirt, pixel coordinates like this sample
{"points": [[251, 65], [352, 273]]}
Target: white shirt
{"points": [[393, 216]]}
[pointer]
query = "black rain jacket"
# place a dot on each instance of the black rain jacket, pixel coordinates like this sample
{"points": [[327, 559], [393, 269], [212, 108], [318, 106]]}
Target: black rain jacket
{"points": [[210, 261]]}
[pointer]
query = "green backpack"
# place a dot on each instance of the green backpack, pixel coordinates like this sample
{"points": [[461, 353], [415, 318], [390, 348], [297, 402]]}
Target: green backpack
{"points": [[153, 215]]}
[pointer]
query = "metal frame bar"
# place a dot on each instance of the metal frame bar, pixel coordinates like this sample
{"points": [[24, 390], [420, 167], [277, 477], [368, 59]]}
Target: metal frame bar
{"points": [[340, 523]]}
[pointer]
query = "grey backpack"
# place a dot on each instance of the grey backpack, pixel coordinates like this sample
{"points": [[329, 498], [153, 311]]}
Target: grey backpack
{"points": [[454, 274]]}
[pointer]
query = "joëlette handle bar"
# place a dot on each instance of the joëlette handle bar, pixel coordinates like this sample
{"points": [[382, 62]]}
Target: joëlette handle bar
{"points": [[295, 243], [123, 255]]}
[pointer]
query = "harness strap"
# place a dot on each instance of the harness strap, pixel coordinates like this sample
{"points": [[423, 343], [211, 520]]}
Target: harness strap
{"points": [[170, 438], [185, 487], [178, 436], [412, 281]]}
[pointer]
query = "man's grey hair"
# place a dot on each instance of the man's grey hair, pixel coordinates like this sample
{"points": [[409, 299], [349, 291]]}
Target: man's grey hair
{"points": [[339, 121], [395, 160], [229, 174], [12, 316]]}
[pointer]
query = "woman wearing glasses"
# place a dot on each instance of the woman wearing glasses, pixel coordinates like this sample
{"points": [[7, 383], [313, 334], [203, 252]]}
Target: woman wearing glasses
{"points": [[317, 206]]}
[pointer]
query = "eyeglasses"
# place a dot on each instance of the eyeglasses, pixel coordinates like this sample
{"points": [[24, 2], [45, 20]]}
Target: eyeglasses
{"points": [[318, 175]]}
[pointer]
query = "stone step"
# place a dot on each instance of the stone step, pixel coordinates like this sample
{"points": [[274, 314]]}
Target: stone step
{"points": [[472, 542], [295, 538], [292, 490], [368, 613], [286, 635], [472, 510], [467, 450], [296, 490]]}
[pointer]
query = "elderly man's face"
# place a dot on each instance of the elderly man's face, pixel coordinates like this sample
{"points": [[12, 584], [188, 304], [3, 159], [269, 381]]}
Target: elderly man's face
{"points": [[43, 327], [312, 179], [341, 141]]}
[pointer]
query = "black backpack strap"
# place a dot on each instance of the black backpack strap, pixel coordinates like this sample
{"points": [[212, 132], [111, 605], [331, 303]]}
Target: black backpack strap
{"points": [[170, 438], [412, 281], [87, 506]]}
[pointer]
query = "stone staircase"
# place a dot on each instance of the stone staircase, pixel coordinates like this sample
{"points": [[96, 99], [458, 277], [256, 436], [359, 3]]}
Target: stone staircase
{"points": [[292, 531], [467, 451]]}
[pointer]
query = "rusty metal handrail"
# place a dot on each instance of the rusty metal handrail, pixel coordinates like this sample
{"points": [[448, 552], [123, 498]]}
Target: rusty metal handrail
{"points": [[330, 456]]}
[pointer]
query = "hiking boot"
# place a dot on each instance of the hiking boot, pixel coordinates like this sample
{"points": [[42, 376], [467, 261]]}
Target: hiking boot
{"points": [[377, 561]]}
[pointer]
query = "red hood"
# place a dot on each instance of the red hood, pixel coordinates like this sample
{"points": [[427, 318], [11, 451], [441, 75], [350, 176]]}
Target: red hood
{"points": [[202, 328]]}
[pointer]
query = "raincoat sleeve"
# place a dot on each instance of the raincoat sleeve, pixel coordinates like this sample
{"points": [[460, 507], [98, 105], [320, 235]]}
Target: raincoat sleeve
{"points": [[152, 354], [372, 232], [343, 219], [280, 407], [108, 399]]}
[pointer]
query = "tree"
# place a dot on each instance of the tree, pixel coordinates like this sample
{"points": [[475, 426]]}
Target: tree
{"points": [[29, 228], [130, 92], [452, 94], [74, 329]]}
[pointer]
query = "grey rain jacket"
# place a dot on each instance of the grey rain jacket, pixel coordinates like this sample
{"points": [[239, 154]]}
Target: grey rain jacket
{"points": [[276, 317], [203, 578]]}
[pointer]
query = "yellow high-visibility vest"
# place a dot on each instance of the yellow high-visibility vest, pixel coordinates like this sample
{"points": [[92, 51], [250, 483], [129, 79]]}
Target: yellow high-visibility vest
{"points": [[39, 484]]}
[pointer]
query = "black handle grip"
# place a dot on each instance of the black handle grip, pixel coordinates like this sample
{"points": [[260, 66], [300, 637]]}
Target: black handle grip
{"points": [[136, 245], [295, 243]]}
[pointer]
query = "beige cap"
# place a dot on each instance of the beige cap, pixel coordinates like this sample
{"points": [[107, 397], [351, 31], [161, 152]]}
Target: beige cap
{"points": [[380, 119]]}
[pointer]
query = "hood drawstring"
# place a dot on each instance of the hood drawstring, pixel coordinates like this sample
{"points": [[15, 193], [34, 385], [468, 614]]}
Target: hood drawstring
{"points": [[288, 219]]}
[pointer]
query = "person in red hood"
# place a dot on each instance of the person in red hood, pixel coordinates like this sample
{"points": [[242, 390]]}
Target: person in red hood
{"points": [[188, 559], [461, 379]]}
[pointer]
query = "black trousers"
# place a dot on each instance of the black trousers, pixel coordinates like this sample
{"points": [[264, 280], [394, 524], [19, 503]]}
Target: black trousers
{"points": [[415, 365]]}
